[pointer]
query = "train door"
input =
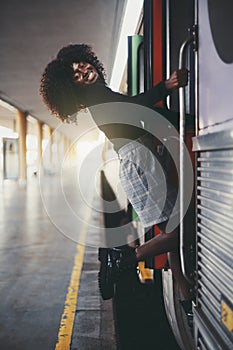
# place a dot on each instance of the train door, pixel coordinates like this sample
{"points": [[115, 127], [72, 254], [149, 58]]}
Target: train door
{"points": [[167, 25]]}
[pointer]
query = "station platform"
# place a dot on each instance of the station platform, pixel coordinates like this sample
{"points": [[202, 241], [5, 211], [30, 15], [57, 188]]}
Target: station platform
{"points": [[49, 286], [36, 264]]}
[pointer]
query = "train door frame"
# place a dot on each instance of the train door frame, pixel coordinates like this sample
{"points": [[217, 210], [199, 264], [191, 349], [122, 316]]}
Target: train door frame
{"points": [[156, 27]]}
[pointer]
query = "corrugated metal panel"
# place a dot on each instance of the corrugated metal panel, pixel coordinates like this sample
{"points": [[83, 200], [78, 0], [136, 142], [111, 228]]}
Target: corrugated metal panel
{"points": [[215, 243]]}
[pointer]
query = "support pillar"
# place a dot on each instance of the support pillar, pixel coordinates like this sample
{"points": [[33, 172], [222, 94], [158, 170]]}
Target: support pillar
{"points": [[50, 131], [39, 144], [21, 118], [66, 146]]}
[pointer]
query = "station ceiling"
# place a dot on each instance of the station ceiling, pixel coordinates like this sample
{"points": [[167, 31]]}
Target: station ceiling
{"points": [[31, 33]]}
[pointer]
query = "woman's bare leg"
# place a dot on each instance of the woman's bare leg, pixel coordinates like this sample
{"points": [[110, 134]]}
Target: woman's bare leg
{"points": [[166, 243], [159, 244]]}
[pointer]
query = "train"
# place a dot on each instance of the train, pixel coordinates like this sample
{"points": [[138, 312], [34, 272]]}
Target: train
{"points": [[195, 35]]}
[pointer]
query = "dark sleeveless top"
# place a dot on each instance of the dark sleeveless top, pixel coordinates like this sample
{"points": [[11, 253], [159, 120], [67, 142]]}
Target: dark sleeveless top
{"points": [[106, 116]]}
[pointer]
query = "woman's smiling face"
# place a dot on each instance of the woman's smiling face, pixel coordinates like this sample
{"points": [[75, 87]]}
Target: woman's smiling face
{"points": [[85, 73]]}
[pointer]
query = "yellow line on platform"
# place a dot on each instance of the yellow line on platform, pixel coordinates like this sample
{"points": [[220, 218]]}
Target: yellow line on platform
{"points": [[67, 319]]}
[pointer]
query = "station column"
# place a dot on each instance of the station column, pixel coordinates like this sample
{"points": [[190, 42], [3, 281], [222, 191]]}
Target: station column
{"points": [[50, 130], [39, 147], [21, 118]]}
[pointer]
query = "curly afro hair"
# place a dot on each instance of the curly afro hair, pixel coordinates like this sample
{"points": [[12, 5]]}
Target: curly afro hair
{"points": [[60, 93]]}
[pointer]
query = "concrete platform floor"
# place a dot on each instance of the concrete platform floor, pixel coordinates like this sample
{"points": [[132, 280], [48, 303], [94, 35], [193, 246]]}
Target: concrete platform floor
{"points": [[36, 261]]}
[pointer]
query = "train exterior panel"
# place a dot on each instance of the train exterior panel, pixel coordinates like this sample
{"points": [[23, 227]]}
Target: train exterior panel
{"points": [[213, 144], [215, 65]]}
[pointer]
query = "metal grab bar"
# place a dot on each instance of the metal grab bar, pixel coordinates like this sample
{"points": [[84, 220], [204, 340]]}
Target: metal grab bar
{"points": [[182, 109]]}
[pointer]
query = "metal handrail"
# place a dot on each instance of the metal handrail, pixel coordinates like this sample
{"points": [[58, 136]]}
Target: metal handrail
{"points": [[182, 110]]}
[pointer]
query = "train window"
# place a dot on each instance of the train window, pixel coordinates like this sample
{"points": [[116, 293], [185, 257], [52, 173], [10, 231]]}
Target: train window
{"points": [[220, 16]]}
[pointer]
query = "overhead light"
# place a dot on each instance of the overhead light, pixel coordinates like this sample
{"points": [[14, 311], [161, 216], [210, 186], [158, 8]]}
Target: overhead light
{"points": [[132, 14]]}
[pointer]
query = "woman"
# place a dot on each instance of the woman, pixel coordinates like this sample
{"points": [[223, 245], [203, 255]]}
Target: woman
{"points": [[74, 80]]}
